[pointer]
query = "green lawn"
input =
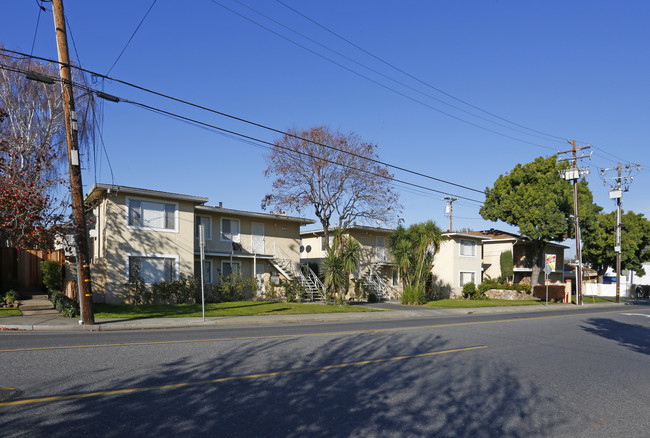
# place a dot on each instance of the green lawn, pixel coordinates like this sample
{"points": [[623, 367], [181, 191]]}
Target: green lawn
{"points": [[238, 308], [462, 303], [10, 312]]}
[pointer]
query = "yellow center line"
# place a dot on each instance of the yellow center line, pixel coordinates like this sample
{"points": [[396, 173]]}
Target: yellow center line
{"points": [[228, 379], [301, 335]]}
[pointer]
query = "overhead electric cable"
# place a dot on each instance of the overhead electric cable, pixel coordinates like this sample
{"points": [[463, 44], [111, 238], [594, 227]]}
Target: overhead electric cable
{"points": [[414, 77], [403, 84], [259, 125], [380, 84], [264, 142], [132, 35]]}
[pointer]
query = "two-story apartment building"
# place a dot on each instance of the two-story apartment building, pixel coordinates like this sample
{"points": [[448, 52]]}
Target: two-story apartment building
{"points": [[157, 232], [498, 242], [459, 260], [376, 269]]}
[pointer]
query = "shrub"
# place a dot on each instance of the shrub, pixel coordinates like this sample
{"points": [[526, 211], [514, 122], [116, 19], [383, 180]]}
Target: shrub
{"points": [[232, 288], [372, 297], [65, 306], [413, 295], [293, 291], [469, 289], [52, 276], [184, 290], [11, 296], [137, 290]]}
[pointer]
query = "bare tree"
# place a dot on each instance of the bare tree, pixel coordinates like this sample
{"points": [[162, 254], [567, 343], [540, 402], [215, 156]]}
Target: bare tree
{"points": [[334, 174], [32, 148]]}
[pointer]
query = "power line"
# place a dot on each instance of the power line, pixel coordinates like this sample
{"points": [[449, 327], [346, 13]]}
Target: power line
{"points": [[412, 76], [382, 74], [253, 139], [132, 35], [259, 125], [380, 84]]}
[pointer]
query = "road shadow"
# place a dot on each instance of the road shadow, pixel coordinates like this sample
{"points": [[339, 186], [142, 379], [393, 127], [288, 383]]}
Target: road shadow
{"points": [[635, 337], [392, 393]]}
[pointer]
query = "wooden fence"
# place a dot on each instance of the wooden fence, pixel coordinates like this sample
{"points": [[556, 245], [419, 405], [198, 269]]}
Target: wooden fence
{"points": [[21, 269]]}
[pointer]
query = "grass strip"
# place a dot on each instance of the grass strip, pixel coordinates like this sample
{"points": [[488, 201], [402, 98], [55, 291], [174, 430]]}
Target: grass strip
{"points": [[237, 308]]}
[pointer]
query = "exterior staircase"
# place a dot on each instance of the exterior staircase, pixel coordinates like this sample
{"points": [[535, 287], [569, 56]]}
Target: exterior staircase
{"points": [[375, 282], [314, 288]]}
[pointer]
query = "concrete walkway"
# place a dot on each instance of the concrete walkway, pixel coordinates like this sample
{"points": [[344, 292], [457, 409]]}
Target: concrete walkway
{"points": [[39, 315]]}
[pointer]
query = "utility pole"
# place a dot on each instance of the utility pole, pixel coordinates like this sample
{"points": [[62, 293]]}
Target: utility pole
{"points": [[76, 188], [573, 174], [449, 209], [616, 192]]}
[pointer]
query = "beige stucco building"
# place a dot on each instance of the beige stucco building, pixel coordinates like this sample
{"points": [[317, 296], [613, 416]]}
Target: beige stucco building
{"points": [[159, 233], [376, 269], [459, 260]]}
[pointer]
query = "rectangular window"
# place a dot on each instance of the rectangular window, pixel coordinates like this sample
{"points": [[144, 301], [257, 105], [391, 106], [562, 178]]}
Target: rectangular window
{"points": [[395, 277], [206, 221], [230, 230], [228, 269], [152, 269], [467, 277], [207, 271], [153, 215], [467, 248]]}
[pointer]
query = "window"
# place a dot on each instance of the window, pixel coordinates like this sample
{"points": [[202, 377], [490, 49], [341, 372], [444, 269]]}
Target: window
{"points": [[228, 269], [395, 277], [153, 215], [467, 277], [230, 230], [467, 248], [207, 270], [152, 269], [206, 221]]}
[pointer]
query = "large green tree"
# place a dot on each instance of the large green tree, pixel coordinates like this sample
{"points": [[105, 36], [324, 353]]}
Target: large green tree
{"points": [[534, 198], [599, 242]]}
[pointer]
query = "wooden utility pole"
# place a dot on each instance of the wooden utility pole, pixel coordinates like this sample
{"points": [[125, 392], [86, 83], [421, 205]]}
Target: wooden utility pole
{"points": [[450, 209], [617, 248], [573, 174], [76, 188]]}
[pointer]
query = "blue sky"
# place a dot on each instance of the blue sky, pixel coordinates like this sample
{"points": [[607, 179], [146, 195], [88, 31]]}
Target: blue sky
{"points": [[575, 69]]}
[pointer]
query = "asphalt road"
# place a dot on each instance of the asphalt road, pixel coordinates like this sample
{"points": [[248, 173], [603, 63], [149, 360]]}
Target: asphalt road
{"points": [[579, 374]]}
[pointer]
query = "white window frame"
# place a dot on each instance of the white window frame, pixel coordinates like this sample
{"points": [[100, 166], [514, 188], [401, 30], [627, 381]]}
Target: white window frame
{"points": [[227, 262], [144, 227], [208, 264], [153, 256], [235, 238], [460, 277], [208, 226], [473, 244]]}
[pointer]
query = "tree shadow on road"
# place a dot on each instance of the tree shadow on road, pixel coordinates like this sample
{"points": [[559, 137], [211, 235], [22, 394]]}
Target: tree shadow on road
{"points": [[635, 337], [456, 394]]}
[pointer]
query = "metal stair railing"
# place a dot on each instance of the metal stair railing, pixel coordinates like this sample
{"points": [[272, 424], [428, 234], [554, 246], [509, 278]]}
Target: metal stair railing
{"points": [[314, 287], [376, 283]]}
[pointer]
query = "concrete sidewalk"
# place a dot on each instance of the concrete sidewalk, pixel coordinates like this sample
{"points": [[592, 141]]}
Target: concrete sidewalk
{"points": [[38, 315]]}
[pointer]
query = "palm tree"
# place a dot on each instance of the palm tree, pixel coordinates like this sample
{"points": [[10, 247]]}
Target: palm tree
{"points": [[342, 260], [413, 250]]}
